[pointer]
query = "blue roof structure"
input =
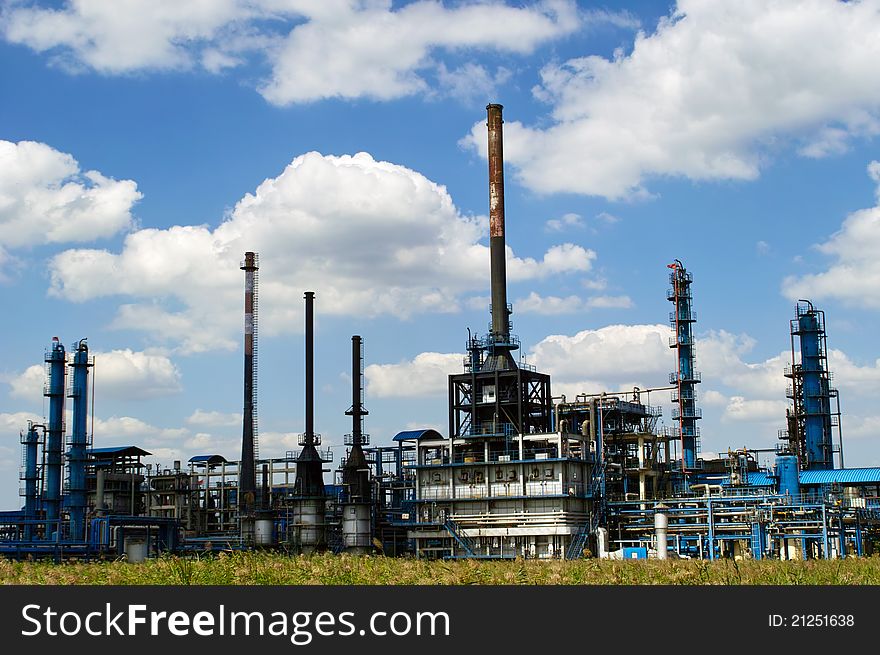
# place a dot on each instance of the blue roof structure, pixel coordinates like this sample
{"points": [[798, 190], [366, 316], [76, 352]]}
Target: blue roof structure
{"points": [[416, 435], [841, 476], [208, 459], [118, 451]]}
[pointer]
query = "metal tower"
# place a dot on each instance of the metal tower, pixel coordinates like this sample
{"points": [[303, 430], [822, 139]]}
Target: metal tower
{"points": [[309, 506], [247, 475], [357, 508], [31, 477], [56, 360], [685, 377], [79, 441], [496, 397], [810, 419]]}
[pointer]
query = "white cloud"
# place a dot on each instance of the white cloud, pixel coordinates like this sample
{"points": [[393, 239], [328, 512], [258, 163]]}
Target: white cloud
{"points": [[610, 302], [316, 49], [740, 409], [569, 220], [370, 237], [371, 50], [613, 357], [854, 275], [117, 374], [534, 303], [15, 422], [424, 375], [46, 198], [470, 83], [123, 35], [214, 419], [707, 96]]}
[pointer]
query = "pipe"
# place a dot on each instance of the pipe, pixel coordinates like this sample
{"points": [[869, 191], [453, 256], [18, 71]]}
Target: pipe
{"points": [[247, 467]]}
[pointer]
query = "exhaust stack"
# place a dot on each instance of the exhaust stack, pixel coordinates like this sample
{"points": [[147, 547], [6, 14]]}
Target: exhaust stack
{"points": [[357, 510], [499, 341], [247, 474], [309, 486]]}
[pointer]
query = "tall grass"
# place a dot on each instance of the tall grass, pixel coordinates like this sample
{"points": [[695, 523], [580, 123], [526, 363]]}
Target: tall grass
{"points": [[270, 568]]}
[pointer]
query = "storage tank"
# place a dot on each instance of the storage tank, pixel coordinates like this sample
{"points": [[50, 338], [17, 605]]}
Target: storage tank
{"points": [[787, 475]]}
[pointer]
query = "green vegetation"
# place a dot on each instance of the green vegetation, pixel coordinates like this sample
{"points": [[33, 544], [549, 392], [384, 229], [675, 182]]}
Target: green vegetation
{"points": [[269, 568]]}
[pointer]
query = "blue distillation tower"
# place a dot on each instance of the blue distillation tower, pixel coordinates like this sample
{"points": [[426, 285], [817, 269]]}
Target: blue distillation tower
{"points": [[56, 362], [77, 455], [810, 419], [685, 377]]}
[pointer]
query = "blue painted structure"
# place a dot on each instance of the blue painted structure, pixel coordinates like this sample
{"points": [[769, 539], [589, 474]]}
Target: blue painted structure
{"points": [[786, 471], [31, 477], [685, 377], [810, 420], [79, 442], [56, 359]]}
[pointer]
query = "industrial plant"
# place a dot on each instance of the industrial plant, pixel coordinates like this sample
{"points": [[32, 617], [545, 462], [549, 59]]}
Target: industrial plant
{"points": [[520, 473]]}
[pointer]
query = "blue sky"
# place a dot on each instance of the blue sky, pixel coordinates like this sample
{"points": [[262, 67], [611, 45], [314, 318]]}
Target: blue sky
{"points": [[145, 145]]}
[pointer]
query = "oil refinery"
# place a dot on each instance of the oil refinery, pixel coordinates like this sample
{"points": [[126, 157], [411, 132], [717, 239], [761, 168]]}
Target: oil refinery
{"points": [[521, 472]]}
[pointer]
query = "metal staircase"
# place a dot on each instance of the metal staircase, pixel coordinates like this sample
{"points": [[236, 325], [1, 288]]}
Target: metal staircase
{"points": [[467, 544]]}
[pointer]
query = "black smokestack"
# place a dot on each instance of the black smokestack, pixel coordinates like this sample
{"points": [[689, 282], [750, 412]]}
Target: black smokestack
{"points": [[310, 367], [247, 467], [497, 254], [309, 473], [355, 476]]}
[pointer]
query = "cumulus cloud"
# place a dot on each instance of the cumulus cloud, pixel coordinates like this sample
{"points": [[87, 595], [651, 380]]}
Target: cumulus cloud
{"points": [[564, 222], [740, 409], [124, 374], [372, 50], [424, 375], [854, 275], [316, 49], [124, 35], [214, 418], [370, 237], [535, 303], [708, 95], [46, 198]]}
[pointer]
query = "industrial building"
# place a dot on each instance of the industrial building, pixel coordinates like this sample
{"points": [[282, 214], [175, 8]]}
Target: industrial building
{"points": [[520, 472]]}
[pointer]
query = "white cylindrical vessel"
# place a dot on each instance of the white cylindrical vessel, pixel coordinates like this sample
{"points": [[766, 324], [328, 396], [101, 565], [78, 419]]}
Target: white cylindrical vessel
{"points": [[661, 524], [263, 532], [308, 515], [357, 528], [135, 550]]}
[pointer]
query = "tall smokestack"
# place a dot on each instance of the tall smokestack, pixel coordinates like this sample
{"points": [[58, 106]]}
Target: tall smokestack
{"points": [[357, 510], [247, 473], [310, 367], [497, 254], [309, 486]]}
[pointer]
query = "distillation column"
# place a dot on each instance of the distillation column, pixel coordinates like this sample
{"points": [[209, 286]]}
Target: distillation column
{"points": [[310, 500], [685, 377], [57, 360], [79, 442], [357, 509], [811, 421], [31, 478]]}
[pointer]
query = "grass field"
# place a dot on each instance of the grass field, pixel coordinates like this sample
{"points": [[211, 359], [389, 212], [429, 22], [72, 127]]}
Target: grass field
{"points": [[267, 568]]}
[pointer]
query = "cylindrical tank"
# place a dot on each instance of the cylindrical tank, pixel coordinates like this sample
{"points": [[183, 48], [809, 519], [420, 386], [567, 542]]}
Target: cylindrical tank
{"points": [[135, 550], [308, 516], [602, 542], [357, 528], [661, 524], [263, 532], [787, 475]]}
